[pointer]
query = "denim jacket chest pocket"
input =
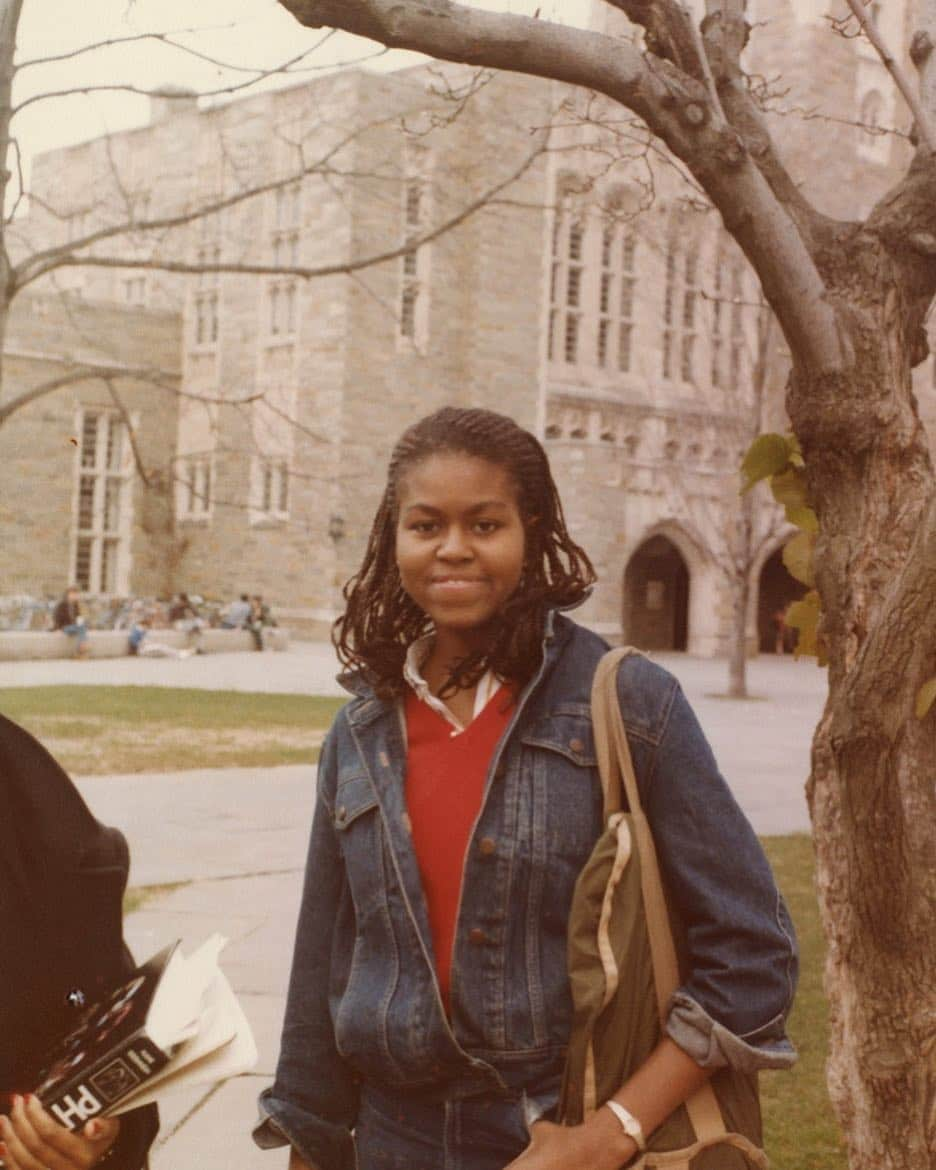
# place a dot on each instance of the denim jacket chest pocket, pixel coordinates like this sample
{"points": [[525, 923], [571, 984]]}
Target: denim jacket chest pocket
{"points": [[359, 829], [560, 784]]}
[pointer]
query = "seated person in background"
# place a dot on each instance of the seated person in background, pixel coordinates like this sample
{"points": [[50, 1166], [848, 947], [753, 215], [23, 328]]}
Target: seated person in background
{"points": [[236, 614], [184, 616], [62, 878], [259, 619], [68, 618]]}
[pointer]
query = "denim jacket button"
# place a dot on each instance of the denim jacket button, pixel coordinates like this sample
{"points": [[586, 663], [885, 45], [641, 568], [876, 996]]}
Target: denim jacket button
{"points": [[341, 814], [487, 846], [576, 745], [477, 936]]}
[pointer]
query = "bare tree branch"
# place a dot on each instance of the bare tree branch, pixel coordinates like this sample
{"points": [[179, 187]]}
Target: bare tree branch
{"points": [[20, 181], [136, 38], [320, 167], [674, 105], [80, 372], [925, 128], [126, 87], [65, 259]]}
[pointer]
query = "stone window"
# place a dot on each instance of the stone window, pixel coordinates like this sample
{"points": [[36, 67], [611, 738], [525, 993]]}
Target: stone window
{"points": [[615, 297], [206, 318], [680, 311], [134, 290], [413, 303], [568, 286], [271, 488], [730, 307], [194, 483], [736, 336], [717, 338], [283, 291], [206, 294], [281, 306], [592, 287], [102, 508]]}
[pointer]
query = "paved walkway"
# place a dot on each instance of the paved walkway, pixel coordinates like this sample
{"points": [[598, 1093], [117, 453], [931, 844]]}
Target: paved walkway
{"points": [[236, 840]]}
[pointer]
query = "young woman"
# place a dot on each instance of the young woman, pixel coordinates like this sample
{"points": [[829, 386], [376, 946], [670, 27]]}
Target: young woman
{"points": [[458, 800]]}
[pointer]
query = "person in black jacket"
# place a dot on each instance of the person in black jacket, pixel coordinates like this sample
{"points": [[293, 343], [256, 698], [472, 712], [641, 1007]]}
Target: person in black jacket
{"points": [[62, 879], [69, 619]]}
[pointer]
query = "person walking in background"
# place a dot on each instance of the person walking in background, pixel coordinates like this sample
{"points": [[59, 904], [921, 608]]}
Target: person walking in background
{"points": [[68, 618], [429, 1010], [236, 614], [259, 619]]}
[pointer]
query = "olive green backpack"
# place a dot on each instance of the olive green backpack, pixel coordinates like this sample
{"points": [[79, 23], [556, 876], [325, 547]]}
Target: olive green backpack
{"points": [[624, 967]]}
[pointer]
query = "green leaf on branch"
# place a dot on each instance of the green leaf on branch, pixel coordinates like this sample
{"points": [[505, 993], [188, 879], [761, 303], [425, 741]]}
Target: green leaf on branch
{"points": [[789, 488], [796, 451], [926, 697], [804, 518], [798, 557], [766, 456], [803, 616]]}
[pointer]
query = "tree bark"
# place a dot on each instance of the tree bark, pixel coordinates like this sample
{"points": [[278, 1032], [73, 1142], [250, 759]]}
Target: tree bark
{"points": [[740, 603], [9, 22], [871, 790]]}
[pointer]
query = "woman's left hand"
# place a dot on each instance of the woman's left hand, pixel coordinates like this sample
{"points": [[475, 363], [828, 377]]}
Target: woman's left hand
{"points": [[599, 1144], [33, 1140]]}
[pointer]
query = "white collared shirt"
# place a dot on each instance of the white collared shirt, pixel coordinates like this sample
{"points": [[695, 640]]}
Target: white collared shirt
{"points": [[412, 672]]}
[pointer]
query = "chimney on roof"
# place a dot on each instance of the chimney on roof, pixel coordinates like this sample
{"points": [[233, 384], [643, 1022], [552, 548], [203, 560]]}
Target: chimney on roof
{"points": [[170, 100]]}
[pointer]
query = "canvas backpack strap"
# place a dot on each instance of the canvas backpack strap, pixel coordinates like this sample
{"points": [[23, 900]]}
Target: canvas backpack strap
{"points": [[617, 770]]}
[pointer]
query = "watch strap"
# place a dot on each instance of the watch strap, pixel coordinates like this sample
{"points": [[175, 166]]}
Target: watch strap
{"points": [[629, 1124]]}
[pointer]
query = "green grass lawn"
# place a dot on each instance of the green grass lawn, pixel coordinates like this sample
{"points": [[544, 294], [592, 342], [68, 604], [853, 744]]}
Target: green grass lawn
{"points": [[800, 1130], [101, 730]]}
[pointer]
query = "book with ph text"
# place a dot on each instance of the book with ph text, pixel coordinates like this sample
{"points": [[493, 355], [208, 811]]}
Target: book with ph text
{"points": [[173, 1023]]}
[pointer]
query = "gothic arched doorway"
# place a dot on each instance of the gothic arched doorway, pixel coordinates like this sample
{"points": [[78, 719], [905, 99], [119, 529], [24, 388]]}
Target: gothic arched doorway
{"points": [[656, 597], [776, 590]]}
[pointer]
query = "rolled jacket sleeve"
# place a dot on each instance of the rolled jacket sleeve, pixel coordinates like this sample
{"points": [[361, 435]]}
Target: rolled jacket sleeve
{"points": [[313, 1102], [740, 966]]}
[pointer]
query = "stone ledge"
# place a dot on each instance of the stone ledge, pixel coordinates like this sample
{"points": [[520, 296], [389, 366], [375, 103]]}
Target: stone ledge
{"points": [[19, 645]]}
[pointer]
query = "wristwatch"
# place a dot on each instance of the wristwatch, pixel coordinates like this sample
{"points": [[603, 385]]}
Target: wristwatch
{"points": [[629, 1124]]}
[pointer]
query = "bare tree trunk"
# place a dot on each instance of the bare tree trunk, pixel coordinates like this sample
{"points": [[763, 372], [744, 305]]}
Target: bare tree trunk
{"points": [[742, 555], [9, 21], [737, 650], [871, 791]]}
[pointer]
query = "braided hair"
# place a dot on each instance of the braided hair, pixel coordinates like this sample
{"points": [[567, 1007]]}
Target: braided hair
{"points": [[381, 620]]}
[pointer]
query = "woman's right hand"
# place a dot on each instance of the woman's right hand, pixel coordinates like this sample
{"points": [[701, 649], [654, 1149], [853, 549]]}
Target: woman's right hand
{"points": [[33, 1140]]}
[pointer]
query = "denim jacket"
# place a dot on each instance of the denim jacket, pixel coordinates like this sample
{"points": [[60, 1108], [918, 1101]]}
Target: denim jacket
{"points": [[363, 999]]}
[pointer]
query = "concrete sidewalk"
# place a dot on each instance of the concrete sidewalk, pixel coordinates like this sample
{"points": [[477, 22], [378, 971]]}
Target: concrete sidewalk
{"points": [[236, 839]]}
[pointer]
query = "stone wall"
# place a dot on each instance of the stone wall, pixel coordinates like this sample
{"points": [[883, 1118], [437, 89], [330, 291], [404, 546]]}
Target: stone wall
{"points": [[39, 442]]}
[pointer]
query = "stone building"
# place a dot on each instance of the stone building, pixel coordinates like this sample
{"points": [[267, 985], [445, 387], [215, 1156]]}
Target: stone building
{"points": [[74, 507], [593, 298]]}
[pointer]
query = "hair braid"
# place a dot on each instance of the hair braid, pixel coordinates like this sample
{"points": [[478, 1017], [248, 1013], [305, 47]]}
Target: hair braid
{"points": [[381, 620]]}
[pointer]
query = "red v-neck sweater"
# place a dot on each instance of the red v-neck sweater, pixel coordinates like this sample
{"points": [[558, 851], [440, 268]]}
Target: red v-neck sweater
{"points": [[445, 777]]}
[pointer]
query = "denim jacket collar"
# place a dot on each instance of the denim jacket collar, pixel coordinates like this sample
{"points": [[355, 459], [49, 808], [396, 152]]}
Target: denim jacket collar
{"points": [[357, 685]]}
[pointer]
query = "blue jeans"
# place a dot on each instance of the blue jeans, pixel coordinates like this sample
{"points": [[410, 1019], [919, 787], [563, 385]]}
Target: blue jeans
{"points": [[77, 631], [400, 1133]]}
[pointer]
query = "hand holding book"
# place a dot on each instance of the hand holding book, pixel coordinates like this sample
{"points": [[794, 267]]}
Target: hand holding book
{"points": [[30, 1136], [175, 1022]]}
